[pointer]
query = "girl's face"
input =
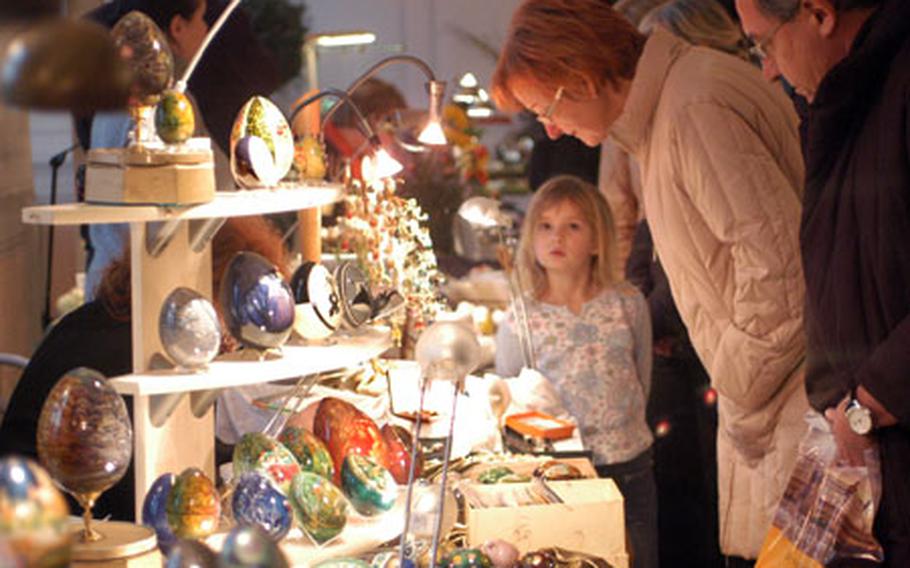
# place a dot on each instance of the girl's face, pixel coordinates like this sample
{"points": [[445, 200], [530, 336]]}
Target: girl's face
{"points": [[564, 241]]}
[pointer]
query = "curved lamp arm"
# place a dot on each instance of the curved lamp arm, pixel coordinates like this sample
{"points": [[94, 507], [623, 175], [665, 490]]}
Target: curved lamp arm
{"points": [[213, 31]]}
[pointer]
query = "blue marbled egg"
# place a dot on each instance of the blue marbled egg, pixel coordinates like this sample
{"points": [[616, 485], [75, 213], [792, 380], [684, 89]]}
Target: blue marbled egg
{"points": [[258, 304], [258, 502], [250, 547], [154, 511]]}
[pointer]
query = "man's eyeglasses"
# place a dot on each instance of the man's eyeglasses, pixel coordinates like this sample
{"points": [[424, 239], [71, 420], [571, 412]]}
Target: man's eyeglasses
{"points": [[547, 114], [759, 47]]}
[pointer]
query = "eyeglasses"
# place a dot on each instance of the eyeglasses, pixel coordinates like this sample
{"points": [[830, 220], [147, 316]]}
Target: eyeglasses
{"points": [[759, 48], [547, 114]]}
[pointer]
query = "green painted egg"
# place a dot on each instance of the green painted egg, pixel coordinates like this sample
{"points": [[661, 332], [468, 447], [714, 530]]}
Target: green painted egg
{"points": [[501, 474], [257, 452], [466, 558], [175, 121], [369, 486], [319, 506], [309, 450]]}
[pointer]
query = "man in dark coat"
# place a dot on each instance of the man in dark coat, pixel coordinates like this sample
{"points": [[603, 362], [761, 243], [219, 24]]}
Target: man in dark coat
{"points": [[851, 60]]}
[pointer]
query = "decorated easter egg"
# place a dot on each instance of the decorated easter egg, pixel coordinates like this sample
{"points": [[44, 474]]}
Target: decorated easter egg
{"points": [[554, 470], [154, 511], [260, 118], [193, 505], [309, 158], [501, 474], [250, 547], [191, 554], [466, 558], [319, 506], [257, 502], [175, 120], [85, 439], [501, 553], [542, 558], [33, 516], [145, 48], [311, 453], [353, 295], [258, 305], [369, 486], [253, 164], [188, 328], [397, 457], [345, 429], [257, 452], [318, 309]]}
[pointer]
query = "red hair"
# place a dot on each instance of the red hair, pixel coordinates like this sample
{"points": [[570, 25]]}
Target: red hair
{"points": [[570, 43]]}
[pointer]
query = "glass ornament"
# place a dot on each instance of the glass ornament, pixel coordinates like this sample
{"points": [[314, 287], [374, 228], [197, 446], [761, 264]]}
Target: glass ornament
{"points": [[258, 305], [257, 452], [188, 328], [85, 439], [249, 547], [193, 505], [191, 554], [258, 502], [154, 511]]}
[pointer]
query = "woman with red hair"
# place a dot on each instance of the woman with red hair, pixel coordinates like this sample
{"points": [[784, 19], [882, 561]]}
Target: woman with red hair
{"points": [[721, 186]]}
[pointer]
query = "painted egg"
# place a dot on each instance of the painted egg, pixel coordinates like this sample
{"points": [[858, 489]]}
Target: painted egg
{"points": [[154, 511], [398, 453], [191, 554], [85, 439], [249, 547], [538, 559], [353, 294], [345, 429], [260, 118], [501, 474], [257, 502], [318, 309], [253, 163], [188, 328], [145, 48], [33, 516], [257, 452], [175, 120], [309, 158], [553, 470], [501, 553], [193, 505], [311, 453], [369, 486], [320, 507], [258, 305], [465, 558]]}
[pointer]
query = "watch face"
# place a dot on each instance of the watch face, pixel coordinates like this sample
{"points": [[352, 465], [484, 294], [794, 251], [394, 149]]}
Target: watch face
{"points": [[860, 419]]}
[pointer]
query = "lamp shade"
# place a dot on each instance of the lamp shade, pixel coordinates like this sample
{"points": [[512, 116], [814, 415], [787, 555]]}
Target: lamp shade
{"points": [[65, 65]]}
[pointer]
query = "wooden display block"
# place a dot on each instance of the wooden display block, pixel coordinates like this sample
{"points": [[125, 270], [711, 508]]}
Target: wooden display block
{"points": [[589, 520], [149, 176]]}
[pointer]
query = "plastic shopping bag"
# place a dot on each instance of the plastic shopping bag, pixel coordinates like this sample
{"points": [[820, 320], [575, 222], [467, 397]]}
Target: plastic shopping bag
{"points": [[828, 508]]}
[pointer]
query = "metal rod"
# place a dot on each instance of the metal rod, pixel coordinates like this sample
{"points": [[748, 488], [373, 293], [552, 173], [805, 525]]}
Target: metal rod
{"points": [[412, 471], [181, 84], [445, 474]]}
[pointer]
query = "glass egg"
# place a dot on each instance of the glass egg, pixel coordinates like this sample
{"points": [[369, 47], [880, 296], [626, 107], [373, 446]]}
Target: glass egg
{"points": [[258, 502], [309, 450], [250, 547], [145, 48], [258, 305], [188, 328], [368, 486], [193, 505], [85, 438], [191, 554], [319, 507], [33, 516], [154, 511], [257, 452]]}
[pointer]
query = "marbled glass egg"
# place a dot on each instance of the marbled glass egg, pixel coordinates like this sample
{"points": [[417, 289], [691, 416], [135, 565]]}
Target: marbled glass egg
{"points": [[85, 439], [175, 120], [257, 452], [258, 502], [369, 486], [309, 450], [398, 453], [193, 505], [466, 558], [191, 554], [319, 506], [154, 511], [33, 516], [257, 304], [250, 547], [188, 328], [260, 118], [345, 429], [146, 50]]}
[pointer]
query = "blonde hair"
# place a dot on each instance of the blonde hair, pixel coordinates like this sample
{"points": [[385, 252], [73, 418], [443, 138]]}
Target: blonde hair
{"points": [[596, 212], [700, 22]]}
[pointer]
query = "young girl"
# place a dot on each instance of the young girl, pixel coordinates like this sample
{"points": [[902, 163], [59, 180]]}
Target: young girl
{"points": [[592, 339]]}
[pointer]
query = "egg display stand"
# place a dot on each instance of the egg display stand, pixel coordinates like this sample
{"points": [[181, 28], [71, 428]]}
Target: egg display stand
{"points": [[173, 419], [123, 545]]}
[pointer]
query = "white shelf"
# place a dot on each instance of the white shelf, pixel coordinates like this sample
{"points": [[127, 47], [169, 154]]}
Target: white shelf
{"points": [[295, 361], [226, 204]]}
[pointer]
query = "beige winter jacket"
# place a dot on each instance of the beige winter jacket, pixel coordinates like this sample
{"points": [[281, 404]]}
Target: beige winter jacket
{"points": [[722, 180]]}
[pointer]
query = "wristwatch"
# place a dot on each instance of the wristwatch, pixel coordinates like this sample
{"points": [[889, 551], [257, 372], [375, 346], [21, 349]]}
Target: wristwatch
{"points": [[859, 417]]}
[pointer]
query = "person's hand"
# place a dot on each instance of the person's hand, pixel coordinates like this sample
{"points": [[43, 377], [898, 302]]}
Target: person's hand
{"points": [[850, 445]]}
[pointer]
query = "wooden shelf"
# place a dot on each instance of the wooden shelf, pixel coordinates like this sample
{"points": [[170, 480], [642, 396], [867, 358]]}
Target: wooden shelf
{"points": [[225, 204], [295, 361]]}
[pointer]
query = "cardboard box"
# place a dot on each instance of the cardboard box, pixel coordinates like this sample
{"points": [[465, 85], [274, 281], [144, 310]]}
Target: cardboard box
{"points": [[589, 520], [130, 176]]}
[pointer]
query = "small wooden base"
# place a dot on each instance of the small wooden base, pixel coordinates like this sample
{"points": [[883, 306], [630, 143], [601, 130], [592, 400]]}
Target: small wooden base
{"points": [[121, 544]]}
